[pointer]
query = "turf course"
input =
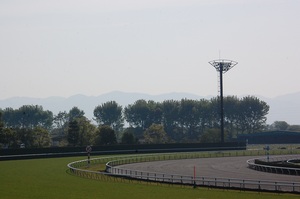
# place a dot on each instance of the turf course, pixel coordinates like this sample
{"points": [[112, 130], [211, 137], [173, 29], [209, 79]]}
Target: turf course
{"points": [[48, 178]]}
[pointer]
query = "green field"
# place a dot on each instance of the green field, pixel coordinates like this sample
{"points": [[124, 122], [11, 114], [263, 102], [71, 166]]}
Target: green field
{"points": [[49, 178]]}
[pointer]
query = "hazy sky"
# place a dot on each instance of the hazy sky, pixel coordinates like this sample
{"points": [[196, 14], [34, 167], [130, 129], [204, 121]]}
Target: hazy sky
{"points": [[67, 47]]}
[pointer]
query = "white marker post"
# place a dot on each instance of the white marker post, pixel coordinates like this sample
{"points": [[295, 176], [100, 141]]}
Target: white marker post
{"points": [[89, 150], [267, 148]]}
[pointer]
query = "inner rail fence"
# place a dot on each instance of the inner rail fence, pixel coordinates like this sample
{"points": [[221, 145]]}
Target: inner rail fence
{"points": [[289, 169], [82, 168], [230, 183]]}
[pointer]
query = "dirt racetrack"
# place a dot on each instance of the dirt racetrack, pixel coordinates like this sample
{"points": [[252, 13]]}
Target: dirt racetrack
{"points": [[225, 167]]}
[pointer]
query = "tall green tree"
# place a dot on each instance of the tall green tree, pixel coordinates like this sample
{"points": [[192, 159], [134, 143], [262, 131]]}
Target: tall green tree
{"points": [[215, 113], [75, 113], [73, 133], [231, 115], [280, 125], [137, 132], [128, 138], [154, 113], [142, 113], [25, 136], [252, 114], [186, 120], [9, 117], [8, 138], [81, 132], [189, 118], [42, 138], [32, 116], [105, 136], [170, 118], [205, 117], [136, 114], [61, 119], [155, 134], [110, 113], [28, 117], [87, 131]]}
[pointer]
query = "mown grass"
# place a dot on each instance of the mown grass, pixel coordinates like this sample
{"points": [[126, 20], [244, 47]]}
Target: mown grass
{"points": [[48, 178]]}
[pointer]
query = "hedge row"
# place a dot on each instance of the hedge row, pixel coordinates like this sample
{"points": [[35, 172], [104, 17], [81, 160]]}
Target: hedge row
{"points": [[118, 149]]}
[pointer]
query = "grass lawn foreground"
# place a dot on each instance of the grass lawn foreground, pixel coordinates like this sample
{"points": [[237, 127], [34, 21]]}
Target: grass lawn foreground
{"points": [[48, 178]]}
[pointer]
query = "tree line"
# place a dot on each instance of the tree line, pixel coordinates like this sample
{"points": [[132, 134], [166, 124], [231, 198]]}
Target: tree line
{"points": [[143, 121]]}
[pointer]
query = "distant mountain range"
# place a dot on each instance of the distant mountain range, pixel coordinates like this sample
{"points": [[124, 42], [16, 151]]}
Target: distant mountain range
{"points": [[282, 108]]}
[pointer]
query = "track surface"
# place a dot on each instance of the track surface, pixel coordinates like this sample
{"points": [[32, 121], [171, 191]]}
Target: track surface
{"points": [[225, 167]]}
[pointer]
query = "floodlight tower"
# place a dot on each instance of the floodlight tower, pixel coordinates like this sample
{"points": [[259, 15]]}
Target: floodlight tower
{"points": [[222, 66]]}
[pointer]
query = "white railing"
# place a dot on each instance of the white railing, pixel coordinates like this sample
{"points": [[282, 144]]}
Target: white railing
{"points": [[207, 181], [80, 168], [275, 169]]}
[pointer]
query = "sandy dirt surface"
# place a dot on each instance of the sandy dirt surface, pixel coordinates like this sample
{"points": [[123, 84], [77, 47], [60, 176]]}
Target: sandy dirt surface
{"points": [[225, 167]]}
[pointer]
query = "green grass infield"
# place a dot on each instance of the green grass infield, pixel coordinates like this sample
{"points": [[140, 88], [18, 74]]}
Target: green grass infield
{"points": [[49, 178]]}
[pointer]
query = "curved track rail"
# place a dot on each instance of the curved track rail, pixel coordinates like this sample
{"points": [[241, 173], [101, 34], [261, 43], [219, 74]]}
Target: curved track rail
{"points": [[290, 170], [190, 169]]}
